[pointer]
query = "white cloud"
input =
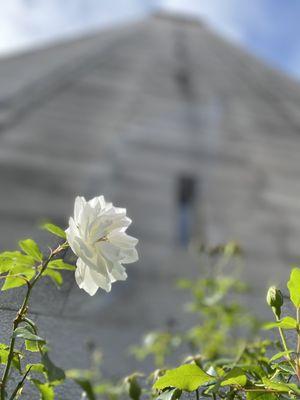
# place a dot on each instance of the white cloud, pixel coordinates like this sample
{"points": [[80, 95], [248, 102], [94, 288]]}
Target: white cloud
{"points": [[24, 23]]}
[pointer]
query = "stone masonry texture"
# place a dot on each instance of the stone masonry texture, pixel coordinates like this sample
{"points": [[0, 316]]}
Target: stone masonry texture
{"points": [[125, 113]]}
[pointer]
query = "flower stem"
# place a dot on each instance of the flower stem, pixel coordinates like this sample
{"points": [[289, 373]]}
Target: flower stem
{"points": [[20, 384], [298, 345], [285, 347], [20, 318]]}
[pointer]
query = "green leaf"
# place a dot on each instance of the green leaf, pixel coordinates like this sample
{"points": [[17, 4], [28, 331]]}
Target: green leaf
{"points": [[280, 386], [32, 346], [16, 263], [284, 323], [54, 275], [27, 332], [54, 373], [172, 394], [30, 247], [45, 389], [294, 286], [186, 377], [56, 230], [17, 257], [78, 377], [285, 367], [280, 355], [35, 368], [4, 351], [60, 264], [261, 396], [234, 377], [6, 265], [24, 275]]}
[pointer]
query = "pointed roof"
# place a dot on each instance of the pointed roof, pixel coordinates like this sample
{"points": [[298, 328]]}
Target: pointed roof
{"points": [[127, 112]]}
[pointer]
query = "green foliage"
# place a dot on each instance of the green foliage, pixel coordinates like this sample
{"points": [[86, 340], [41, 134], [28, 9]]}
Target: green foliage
{"points": [[82, 379], [216, 303], [54, 229], [294, 286], [235, 377], [284, 323], [172, 394], [227, 360], [19, 268], [187, 377], [16, 360], [53, 372], [158, 344], [30, 247], [28, 333], [45, 389], [55, 276], [61, 265]]}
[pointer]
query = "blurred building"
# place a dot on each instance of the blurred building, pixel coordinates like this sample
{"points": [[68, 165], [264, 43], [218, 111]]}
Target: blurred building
{"points": [[190, 133]]}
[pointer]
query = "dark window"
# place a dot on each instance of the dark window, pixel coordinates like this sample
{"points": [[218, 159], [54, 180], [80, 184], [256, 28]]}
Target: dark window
{"points": [[186, 195]]}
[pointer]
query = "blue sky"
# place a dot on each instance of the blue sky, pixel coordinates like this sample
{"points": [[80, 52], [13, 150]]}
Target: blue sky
{"points": [[268, 28]]}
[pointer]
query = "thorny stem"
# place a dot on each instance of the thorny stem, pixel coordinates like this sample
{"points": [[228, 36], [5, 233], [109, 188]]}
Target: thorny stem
{"points": [[20, 318]]}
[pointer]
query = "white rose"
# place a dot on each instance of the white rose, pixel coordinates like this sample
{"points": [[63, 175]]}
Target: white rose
{"points": [[97, 236]]}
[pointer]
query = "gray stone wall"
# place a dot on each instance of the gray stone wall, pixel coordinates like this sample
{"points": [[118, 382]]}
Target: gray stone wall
{"points": [[126, 113]]}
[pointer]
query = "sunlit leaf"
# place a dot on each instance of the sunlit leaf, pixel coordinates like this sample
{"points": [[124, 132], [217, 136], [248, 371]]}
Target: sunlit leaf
{"points": [[45, 389], [281, 386], [294, 286], [18, 276], [261, 396], [32, 346], [4, 351], [234, 377], [186, 377], [60, 264], [30, 247], [280, 355], [284, 323], [56, 230], [35, 368]]}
